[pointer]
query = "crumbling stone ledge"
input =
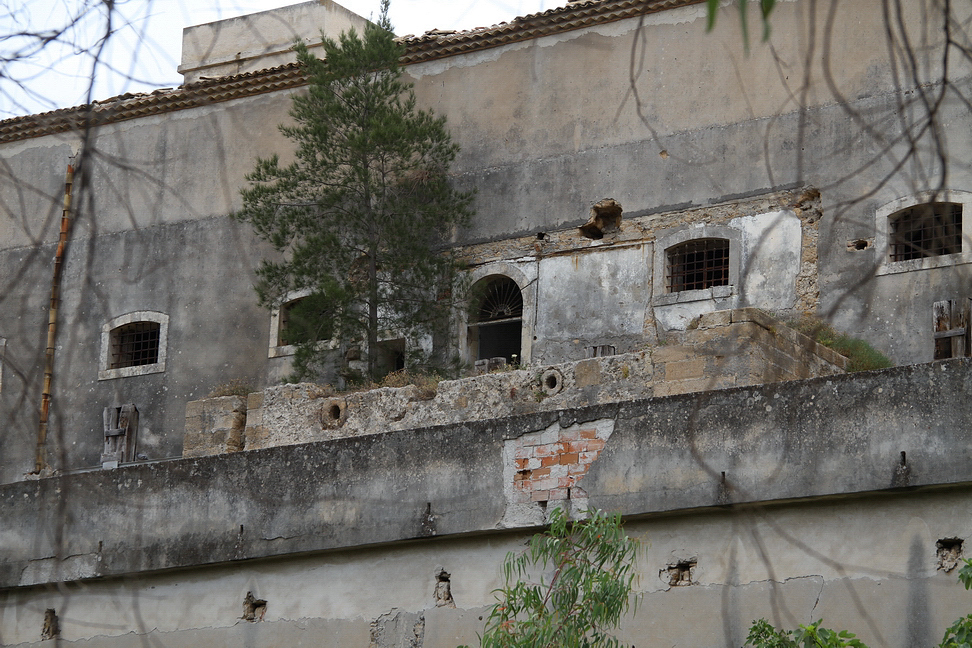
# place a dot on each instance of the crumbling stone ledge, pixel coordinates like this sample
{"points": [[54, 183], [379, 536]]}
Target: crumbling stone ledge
{"points": [[731, 348]]}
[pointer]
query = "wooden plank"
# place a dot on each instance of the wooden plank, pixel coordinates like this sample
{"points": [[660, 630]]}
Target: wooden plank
{"points": [[943, 315]]}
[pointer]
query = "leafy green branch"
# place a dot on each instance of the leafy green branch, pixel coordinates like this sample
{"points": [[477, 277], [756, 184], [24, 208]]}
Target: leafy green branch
{"points": [[590, 567]]}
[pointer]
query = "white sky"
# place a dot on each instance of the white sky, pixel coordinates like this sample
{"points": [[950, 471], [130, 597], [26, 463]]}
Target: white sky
{"points": [[44, 66]]}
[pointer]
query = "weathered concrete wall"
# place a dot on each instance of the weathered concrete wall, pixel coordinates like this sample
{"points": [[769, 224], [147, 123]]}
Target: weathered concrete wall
{"points": [[540, 144], [816, 516], [580, 293], [826, 436], [191, 272], [790, 563]]}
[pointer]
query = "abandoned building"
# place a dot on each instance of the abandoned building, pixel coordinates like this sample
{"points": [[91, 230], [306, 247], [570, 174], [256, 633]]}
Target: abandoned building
{"points": [[654, 202]]}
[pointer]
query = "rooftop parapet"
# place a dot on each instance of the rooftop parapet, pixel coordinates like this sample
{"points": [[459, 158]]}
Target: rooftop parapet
{"points": [[261, 40]]}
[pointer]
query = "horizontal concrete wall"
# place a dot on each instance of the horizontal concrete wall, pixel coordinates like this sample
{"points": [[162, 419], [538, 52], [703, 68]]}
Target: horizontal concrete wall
{"points": [[723, 349], [865, 563], [827, 436]]}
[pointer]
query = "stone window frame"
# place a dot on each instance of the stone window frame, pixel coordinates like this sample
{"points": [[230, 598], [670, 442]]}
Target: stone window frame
{"points": [[277, 350], [666, 240], [528, 291], [882, 237], [104, 364]]}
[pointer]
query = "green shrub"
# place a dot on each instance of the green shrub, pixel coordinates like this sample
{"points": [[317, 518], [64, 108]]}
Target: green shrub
{"points": [[764, 635]]}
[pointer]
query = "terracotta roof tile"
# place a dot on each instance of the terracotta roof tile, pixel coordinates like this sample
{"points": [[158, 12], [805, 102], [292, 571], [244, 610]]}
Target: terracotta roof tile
{"points": [[429, 46]]}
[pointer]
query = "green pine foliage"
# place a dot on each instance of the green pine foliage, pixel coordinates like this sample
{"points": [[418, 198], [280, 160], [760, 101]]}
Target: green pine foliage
{"points": [[584, 586], [362, 214]]}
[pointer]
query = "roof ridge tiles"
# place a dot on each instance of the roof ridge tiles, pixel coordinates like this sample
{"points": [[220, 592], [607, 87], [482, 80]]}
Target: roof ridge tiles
{"points": [[432, 45]]}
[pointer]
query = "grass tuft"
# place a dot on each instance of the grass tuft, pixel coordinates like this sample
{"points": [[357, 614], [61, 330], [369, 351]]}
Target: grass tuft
{"points": [[860, 355]]}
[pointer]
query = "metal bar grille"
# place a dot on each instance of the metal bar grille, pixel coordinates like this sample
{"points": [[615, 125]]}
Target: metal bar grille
{"points": [[698, 264], [502, 300], [134, 345], [928, 230]]}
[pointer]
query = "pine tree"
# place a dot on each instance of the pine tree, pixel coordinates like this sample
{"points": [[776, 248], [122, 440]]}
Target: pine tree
{"points": [[362, 214]]}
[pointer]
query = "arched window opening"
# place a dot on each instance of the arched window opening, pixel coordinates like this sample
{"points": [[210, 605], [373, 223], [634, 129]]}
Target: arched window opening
{"points": [[497, 320], [932, 229], [697, 264]]}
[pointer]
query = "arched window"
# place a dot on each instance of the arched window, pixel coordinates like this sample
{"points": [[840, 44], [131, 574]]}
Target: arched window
{"points": [[497, 319], [931, 229], [133, 345], [697, 264]]}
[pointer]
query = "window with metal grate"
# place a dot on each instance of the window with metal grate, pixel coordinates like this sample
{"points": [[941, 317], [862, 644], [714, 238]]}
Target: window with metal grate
{"points": [[932, 229], [134, 345], [697, 264]]}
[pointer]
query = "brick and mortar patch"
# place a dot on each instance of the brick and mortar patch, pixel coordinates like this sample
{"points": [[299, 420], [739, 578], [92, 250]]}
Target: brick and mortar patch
{"points": [[543, 468]]}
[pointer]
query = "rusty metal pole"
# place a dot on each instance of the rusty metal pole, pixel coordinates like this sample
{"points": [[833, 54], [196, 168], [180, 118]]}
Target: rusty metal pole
{"points": [[40, 461]]}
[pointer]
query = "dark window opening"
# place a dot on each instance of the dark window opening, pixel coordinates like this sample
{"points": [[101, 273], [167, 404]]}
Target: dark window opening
{"points": [[134, 345], [696, 265], [307, 319], [498, 321], [928, 230], [391, 356]]}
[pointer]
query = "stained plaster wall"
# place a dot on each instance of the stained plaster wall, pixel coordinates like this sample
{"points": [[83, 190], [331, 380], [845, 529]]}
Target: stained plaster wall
{"points": [[827, 523], [580, 293], [788, 563], [540, 142], [702, 127], [151, 233]]}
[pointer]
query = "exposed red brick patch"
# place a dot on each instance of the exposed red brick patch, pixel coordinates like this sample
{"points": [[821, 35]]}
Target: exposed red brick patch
{"points": [[550, 471]]}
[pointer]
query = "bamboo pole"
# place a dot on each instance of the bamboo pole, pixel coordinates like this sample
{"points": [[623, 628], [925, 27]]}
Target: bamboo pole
{"points": [[40, 461]]}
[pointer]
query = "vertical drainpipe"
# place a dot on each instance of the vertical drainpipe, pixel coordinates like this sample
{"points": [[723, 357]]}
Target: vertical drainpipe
{"points": [[40, 461]]}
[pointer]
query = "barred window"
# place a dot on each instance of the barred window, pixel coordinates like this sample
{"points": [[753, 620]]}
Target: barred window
{"points": [[932, 229], [134, 345], [697, 264]]}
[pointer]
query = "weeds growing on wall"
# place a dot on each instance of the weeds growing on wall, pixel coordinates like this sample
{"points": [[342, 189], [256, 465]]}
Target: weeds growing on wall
{"points": [[569, 589], [764, 635], [861, 356]]}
